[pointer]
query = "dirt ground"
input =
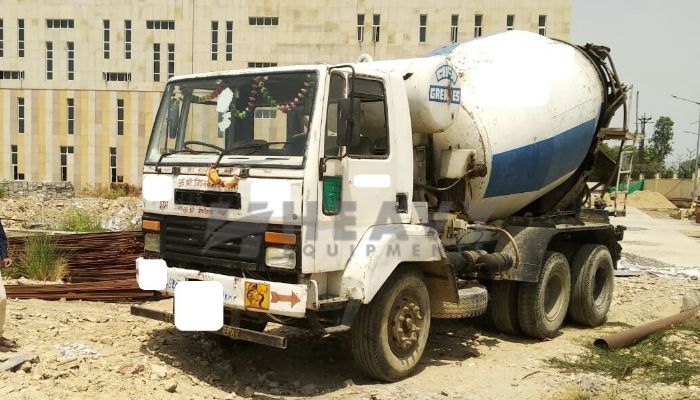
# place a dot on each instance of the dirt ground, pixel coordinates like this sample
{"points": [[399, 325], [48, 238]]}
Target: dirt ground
{"points": [[99, 351]]}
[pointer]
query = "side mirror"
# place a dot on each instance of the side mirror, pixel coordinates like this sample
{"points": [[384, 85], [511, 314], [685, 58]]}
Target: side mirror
{"points": [[173, 120], [348, 121]]}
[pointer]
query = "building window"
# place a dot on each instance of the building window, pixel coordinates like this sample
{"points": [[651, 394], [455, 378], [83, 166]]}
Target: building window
{"points": [[49, 60], [229, 40], [263, 21], [127, 39], [105, 39], [113, 164], [20, 115], [160, 24], [375, 27], [171, 60], [510, 21], [14, 160], [70, 104], [1, 38], [454, 28], [360, 27], [116, 76], [65, 151], [477, 25], [265, 113], [59, 23], [214, 40], [542, 27], [11, 75], [20, 38], [71, 61], [422, 27], [120, 116], [261, 64], [156, 62]]}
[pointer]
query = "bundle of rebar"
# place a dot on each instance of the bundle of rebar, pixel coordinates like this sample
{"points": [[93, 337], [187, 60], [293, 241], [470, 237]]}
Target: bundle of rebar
{"points": [[100, 266]]}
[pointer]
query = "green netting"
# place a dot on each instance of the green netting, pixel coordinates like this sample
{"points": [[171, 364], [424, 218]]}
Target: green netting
{"points": [[633, 187]]}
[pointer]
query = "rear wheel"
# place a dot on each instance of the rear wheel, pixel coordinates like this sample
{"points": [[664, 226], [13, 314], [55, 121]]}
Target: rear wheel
{"points": [[542, 306], [504, 306], [389, 334], [592, 285]]}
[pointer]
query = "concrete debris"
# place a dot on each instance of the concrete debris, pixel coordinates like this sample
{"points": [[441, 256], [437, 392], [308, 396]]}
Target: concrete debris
{"points": [[18, 361], [77, 350], [122, 213], [170, 386]]}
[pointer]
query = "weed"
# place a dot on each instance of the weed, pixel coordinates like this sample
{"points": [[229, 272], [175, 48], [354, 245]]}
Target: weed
{"points": [[42, 260], [77, 220], [111, 192], [653, 359]]}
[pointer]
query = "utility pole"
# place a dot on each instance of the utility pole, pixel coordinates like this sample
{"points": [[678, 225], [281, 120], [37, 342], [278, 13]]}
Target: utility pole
{"points": [[643, 120]]}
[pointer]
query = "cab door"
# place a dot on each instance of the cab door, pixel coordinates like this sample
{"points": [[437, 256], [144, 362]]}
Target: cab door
{"points": [[374, 173]]}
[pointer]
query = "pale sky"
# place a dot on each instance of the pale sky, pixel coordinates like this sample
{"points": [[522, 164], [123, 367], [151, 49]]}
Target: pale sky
{"points": [[656, 47]]}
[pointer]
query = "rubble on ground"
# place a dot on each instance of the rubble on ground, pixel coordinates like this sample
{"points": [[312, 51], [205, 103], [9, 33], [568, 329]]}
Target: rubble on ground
{"points": [[122, 213]]}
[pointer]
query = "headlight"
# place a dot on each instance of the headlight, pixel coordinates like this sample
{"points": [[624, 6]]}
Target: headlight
{"points": [[280, 258], [151, 242]]}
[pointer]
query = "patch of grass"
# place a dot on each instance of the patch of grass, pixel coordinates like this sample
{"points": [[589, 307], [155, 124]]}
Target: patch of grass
{"points": [[653, 359], [42, 260], [575, 392], [111, 192], [77, 220]]}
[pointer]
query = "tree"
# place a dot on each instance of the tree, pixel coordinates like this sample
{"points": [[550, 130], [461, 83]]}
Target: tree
{"points": [[662, 140]]}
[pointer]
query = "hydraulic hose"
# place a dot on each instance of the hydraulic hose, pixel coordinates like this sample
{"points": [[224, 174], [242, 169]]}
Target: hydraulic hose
{"points": [[510, 237]]}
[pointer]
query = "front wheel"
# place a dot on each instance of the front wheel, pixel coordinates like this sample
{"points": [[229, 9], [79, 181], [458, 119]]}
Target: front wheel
{"points": [[390, 333]]}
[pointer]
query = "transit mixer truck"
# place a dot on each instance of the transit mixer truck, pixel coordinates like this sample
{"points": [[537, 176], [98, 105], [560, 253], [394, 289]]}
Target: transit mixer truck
{"points": [[372, 197]]}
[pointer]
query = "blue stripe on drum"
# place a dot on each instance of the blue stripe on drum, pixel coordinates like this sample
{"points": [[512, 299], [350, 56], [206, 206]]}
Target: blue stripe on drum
{"points": [[532, 167]]}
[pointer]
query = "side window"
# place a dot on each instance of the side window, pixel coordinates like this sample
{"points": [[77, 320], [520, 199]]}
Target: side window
{"points": [[336, 92], [374, 139]]}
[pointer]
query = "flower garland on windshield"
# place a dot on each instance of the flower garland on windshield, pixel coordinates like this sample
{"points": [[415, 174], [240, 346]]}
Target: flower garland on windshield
{"points": [[258, 89]]}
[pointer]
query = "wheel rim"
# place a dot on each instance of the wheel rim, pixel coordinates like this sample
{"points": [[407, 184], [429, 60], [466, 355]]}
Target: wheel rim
{"points": [[553, 299], [405, 324], [600, 282]]}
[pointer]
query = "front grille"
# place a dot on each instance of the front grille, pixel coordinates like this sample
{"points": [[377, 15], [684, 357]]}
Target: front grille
{"points": [[210, 242], [208, 198]]}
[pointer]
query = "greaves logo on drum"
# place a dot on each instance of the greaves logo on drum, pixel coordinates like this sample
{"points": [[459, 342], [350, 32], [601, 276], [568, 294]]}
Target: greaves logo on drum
{"points": [[446, 92]]}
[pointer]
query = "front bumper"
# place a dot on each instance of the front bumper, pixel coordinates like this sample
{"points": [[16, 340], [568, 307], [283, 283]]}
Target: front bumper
{"points": [[254, 295], [162, 311]]}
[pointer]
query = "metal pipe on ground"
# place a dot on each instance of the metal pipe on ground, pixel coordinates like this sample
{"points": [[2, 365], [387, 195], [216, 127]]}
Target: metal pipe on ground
{"points": [[632, 336]]}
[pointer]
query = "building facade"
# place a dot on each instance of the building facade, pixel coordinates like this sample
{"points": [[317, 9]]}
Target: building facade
{"points": [[80, 81]]}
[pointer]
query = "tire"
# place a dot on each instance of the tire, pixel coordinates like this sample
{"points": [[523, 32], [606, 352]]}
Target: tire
{"points": [[473, 302], [542, 306], [375, 333], [592, 284], [504, 306]]}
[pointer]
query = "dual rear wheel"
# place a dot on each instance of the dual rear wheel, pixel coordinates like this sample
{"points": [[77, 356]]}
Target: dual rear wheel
{"points": [[582, 289]]}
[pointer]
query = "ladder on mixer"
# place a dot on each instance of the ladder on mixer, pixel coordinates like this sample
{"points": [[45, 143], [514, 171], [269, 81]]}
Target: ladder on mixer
{"points": [[624, 166]]}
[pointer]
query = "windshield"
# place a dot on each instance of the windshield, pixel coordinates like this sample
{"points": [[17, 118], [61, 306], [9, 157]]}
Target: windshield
{"points": [[251, 119]]}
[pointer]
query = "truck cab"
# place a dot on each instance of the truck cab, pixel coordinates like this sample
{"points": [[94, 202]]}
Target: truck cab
{"points": [[269, 192]]}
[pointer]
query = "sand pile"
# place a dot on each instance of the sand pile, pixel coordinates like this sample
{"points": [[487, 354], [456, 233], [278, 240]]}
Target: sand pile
{"points": [[648, 199]]}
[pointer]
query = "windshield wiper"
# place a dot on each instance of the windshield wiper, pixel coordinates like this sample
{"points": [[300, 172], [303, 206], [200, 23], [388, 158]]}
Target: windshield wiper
{"points": [[254, 146], [170, 153]]}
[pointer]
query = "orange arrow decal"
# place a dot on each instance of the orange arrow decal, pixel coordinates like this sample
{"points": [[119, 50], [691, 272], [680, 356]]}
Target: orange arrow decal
{"points": [[293, 299]]}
